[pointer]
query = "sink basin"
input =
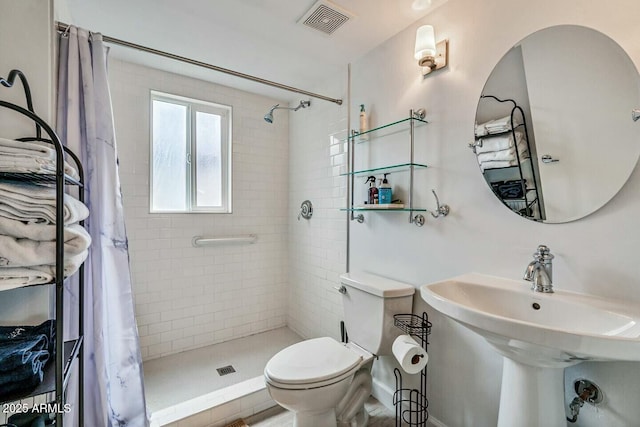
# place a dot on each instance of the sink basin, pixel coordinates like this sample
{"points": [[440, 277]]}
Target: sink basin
{"points": [[507, 313], [539, 335]]}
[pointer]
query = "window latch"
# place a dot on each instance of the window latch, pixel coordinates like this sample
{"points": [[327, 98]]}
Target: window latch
{"points": [[188, 158]]}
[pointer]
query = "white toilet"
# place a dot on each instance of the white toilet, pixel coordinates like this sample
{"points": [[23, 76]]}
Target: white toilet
{"points": [[325, 383]]}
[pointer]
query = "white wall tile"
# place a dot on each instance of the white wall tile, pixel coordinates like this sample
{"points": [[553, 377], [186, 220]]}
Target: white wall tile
{"points": [[178, 288]]}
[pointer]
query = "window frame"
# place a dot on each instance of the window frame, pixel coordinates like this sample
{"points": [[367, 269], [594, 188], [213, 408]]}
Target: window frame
{"points": [[194, 106]]}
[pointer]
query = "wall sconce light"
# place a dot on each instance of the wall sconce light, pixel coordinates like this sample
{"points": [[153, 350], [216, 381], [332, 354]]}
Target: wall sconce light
{"points": [[431, 56]]}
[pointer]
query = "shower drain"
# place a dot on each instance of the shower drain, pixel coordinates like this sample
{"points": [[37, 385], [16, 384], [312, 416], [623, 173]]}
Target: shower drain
{"points": [[225, 370]]}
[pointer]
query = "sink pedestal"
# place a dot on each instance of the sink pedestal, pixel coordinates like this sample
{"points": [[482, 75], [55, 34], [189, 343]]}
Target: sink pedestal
{"points": [[531, 396]]}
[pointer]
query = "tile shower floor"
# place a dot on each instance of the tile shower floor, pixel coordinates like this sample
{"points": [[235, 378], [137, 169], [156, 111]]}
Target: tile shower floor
{"points": [[181, 384]]}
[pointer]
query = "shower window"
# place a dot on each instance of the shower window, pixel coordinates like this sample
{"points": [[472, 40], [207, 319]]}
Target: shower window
{"points": [[190, 155]]}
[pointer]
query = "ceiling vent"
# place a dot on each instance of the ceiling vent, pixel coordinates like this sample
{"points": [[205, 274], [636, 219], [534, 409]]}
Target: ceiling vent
{"points": [[326, 17]]}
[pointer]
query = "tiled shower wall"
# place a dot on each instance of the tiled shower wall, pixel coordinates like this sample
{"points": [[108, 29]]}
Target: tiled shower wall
{"points": [[317, 248], [190, 297]]}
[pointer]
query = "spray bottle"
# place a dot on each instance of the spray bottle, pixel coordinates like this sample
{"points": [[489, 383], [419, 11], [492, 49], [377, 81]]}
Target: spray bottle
{"points": [[373, 191]]}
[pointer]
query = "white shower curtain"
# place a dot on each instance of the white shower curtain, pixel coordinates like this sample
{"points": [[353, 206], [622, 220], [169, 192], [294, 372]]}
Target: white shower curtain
{"points": [[113, 385]]}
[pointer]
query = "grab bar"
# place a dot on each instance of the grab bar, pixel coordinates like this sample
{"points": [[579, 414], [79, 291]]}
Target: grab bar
{"points": [[199, 241]]}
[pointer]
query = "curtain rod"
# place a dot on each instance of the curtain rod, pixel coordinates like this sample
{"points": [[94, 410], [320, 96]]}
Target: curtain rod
{"points": [[62, 27]]}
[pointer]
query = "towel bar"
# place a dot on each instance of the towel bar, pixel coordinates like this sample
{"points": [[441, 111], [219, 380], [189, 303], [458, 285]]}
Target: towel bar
{"points": [[199, 241]]}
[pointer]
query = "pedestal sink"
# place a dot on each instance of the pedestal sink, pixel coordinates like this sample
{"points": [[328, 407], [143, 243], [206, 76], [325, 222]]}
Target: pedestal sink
{"points": [[539, 335]]}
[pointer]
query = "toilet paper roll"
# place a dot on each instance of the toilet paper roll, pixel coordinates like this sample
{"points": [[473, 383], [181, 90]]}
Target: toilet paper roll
{"points": [[411, 356]]}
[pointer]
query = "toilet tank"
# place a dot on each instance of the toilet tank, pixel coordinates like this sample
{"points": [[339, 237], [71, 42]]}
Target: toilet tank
{"points": [[370, 302]]}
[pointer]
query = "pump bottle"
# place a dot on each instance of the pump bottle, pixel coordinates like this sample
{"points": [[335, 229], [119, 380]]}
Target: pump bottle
{"points": [[364, 124], [384, 191]]}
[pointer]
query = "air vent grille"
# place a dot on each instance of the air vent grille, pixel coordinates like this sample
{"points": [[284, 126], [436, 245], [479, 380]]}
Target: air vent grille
{"points": [[325, 17], [225, 370]]}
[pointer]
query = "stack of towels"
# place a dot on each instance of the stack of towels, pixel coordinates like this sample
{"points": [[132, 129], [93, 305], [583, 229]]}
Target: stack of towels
{"points": [[24, 352], [28, 223], [496, 148], [34, 157]]}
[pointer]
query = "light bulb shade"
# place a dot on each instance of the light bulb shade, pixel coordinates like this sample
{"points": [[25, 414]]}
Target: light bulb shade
{"points": [[425, 42]]}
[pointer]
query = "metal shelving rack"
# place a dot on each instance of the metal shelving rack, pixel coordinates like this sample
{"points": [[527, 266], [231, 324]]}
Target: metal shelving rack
{"points": [[530, 202], [56, 376], [411, 404]]}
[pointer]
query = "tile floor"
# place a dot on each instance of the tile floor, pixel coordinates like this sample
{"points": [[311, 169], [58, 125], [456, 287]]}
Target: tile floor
{"points": [[379, 416]]}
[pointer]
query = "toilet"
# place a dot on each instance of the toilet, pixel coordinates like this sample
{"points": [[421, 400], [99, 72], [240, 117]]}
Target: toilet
{"points": [[325, 383]]}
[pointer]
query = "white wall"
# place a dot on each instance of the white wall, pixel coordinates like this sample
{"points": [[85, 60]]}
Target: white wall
{"points": [[190, 297], [26, 44], [597, 255]]}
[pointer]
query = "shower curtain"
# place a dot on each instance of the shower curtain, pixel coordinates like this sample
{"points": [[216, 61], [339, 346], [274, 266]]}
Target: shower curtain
{"points": [[113, 384]]}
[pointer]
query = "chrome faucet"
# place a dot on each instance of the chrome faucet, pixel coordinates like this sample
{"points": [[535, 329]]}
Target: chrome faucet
{"points": [[540, 271]]}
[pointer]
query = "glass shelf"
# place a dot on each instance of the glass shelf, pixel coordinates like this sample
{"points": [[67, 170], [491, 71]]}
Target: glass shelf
{"points": [[356, 209], [392, 168], [392, 128]]}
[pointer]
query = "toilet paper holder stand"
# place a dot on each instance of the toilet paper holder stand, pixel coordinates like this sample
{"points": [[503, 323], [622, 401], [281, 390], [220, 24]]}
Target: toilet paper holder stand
{"points": [[411, 404]]}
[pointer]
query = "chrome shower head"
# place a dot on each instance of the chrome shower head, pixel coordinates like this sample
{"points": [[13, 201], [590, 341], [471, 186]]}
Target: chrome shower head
{"points": [[269, 116]]}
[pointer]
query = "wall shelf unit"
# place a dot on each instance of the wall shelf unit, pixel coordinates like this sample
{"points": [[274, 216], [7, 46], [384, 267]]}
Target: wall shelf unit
{"points": [[57, 370], [373, 136]]}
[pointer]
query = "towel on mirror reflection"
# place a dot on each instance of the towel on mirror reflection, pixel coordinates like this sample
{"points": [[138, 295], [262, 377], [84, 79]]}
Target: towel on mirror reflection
{"points": [[501, 164], [24, 352], [28, 253], [509, 189], [37, 204], [508, 154], [500, 125], [497, 143], [32, 156]]}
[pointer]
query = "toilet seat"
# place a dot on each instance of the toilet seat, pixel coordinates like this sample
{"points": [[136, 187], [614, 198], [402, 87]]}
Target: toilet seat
{"points": [[312, 363]]}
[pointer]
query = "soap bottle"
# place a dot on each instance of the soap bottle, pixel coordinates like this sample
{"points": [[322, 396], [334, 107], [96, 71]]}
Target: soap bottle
{"points": [[364, 124], [373, 191], [384, 191]]}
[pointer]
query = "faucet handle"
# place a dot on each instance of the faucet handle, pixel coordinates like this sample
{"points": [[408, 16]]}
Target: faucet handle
{"points": [[543, 253]]}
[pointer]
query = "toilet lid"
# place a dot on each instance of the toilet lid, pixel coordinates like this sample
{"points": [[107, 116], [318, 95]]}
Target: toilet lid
{"points": [[309, 361]]}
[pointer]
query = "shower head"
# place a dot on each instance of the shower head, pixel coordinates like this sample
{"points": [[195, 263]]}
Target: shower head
{"points": [[269, 116]]}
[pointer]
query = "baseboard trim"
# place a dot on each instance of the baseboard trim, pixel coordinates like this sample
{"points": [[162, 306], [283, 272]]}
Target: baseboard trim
{"points": [[435, 422], [384, 394]]}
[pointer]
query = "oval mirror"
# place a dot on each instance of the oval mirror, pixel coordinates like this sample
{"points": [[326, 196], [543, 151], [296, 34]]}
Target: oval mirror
{"points": [[555, 134]]}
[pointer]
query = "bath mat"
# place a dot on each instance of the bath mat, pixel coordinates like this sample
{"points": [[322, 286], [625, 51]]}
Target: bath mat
{"points": [[238, 423]]}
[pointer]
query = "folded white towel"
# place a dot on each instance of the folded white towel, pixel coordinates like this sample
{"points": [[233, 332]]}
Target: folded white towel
{"points": [[508, 154], [497, 143], [37, 204], [22, 230], [499, 164], [33, 156], [15, 277], [496, 126], [11, 278], [27, 253], [71, 265]]}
